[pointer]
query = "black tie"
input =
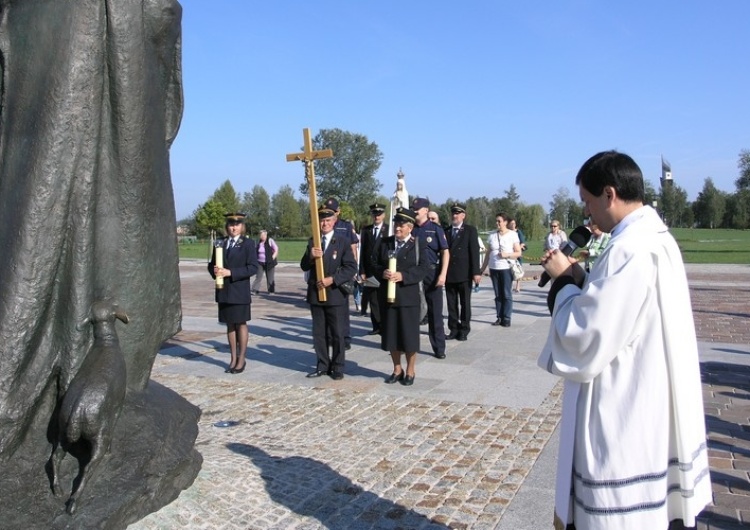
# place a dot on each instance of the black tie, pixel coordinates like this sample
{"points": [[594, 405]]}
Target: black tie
{"points": [[323, 244], [374, 232], [399, 244], [231, 245]]}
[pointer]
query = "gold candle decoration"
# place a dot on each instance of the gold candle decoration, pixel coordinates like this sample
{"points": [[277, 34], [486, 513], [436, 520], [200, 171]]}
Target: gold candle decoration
{"points": [[391, 294], [219, 261]]}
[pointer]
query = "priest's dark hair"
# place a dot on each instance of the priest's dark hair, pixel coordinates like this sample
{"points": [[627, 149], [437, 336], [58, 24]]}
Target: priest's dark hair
{"points": [[610, 168]]}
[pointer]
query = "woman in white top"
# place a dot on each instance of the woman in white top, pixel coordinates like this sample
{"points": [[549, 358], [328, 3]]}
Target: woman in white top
{"points": [[503, 248]]}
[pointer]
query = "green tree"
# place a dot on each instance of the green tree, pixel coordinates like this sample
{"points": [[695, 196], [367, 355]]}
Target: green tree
{"points": [[673, 206], [227, 197], [709, 206], [350, 174], [513, 200], [565, 209], [649, 192], [531, 219], [209, 217], [479, 213], [737, 213], [743, 182], [257, 205], [285, 214]]}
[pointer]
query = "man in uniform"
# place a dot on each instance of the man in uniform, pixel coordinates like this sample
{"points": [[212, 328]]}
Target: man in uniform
{"points": [[370, 239], [344, 229], [329, 317], [438, 257], [463, 269]]}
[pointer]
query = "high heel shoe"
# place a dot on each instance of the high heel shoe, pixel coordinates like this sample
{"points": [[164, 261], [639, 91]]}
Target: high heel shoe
{"points": [[239, 370], [230, 369], [408, 380], [393, 378]]}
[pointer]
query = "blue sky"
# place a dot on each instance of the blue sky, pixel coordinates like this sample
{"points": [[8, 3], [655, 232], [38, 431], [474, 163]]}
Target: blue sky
{"points": [[466, 97]]}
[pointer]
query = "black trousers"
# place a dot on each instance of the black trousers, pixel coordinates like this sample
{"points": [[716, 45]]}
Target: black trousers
{"points": [[458, 296], [329, 319], [434, 297]]}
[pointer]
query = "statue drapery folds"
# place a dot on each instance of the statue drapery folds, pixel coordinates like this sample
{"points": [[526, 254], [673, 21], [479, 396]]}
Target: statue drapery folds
{"points": [[91, 100]]}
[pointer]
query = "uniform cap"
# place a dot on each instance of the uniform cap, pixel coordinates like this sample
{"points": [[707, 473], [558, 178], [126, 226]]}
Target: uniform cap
{"points": [[458, 208], [419, 202], [377, 208], [234, 217], [405, 215]]}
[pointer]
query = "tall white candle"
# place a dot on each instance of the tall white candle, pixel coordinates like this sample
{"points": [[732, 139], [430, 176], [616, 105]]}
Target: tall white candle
{"points": [[391, 293], [219, 263]]}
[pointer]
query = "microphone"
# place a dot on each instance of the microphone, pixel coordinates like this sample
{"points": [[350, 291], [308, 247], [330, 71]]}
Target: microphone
{"points": [[578, 238]]}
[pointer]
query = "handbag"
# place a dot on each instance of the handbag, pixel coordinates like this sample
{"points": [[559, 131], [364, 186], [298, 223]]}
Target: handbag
{"points": [[347, 287], [517, 269]]}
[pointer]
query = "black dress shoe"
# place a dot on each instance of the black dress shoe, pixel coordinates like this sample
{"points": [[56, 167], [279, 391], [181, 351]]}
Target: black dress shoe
{"points": [[408, 380], [505, 324], [337, 376], [498, 322], [393, 378], [317, 373], [375, 331], [462, 337], [452, 335], [440, 355], [238, 370]]}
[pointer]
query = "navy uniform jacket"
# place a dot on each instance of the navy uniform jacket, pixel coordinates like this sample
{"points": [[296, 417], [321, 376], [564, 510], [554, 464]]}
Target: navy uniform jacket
{"points": [[338, 262], [464, 249], [407, 292], [368, 248], [436, 241], [242, 260]]}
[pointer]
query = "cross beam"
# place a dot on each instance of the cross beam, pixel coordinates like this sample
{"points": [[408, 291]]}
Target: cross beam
{"points": [[308, 157]]}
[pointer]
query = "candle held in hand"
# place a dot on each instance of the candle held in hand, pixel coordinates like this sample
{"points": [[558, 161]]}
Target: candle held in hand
{"points": [[391, 293], [219, 260]]}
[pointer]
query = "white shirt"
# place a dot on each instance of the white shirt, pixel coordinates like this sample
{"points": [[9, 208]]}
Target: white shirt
{"points": [[501, 244]]}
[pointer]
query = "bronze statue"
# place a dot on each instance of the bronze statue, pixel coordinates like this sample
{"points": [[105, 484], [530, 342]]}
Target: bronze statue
{"points": [[90, 102]]}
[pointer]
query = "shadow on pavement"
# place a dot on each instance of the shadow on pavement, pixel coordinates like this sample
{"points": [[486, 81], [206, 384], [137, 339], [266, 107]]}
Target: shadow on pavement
{"points": [[313, 489]]}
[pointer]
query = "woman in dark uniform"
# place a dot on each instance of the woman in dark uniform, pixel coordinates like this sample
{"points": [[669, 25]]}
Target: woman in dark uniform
{"points": [[240, 263], [399, 320]]}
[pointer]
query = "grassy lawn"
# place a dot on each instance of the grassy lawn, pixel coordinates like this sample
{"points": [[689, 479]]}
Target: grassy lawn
{"points": [[698, 245]]}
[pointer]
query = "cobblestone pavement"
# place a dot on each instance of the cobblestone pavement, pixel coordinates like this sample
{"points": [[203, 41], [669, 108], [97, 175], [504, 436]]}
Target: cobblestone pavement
{"points": [[360, 454]]}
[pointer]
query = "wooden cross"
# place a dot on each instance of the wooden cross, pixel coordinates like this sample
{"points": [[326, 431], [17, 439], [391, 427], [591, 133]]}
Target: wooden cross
{"points": [[308, 157]]}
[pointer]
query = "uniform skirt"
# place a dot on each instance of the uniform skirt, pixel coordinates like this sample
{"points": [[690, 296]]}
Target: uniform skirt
{"points": [[399, 328], [234, 313]]}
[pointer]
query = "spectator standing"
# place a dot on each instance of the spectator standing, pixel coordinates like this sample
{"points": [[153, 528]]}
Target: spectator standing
{"points": [[633, 448], [329, 317], [504, 249], [556, 237], [434, 282], [463, 269], [595, 247], [240, 262], [268, 251], [522, 240], [370, 239]]}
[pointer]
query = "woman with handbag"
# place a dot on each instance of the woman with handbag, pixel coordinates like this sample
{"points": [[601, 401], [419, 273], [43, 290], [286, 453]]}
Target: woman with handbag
{"points": [[399, 316], [504, 249]]}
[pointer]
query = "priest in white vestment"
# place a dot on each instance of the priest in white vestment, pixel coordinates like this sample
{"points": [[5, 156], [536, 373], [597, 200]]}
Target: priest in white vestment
{"points": [[633, 449]]}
